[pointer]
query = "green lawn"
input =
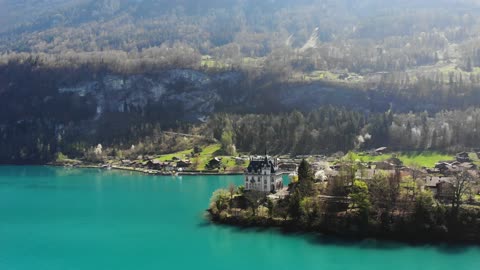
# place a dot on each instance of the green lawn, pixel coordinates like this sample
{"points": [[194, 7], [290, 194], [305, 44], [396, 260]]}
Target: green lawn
{"points": [[208, 152], [475, 158], [423, 159], [180, 155], [61, 158]]}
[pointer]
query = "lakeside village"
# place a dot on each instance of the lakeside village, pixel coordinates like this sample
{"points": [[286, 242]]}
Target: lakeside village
{"points": [[383, 199], [381, 194]]}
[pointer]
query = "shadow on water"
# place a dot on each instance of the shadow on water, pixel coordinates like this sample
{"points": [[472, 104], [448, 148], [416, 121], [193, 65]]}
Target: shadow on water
{"points": [[384, 244], [455, 249], [205, 224], [349, 242]]}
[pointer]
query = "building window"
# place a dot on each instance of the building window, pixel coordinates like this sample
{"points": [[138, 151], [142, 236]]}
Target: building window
{"points": [[265, 187], [265, 181]]}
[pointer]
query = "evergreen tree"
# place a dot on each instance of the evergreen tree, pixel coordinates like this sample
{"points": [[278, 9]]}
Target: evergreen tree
{"points": [[305, 179], [294, 205], [305, 171]]}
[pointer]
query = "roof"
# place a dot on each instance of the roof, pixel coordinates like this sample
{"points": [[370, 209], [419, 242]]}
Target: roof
{"points": [[257, 164], [433, 181], [216, 160], [468, 165]]}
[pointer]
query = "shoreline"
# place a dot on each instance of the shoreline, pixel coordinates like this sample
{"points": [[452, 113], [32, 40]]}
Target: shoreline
{"points": [[141, 170], [137, 170]]}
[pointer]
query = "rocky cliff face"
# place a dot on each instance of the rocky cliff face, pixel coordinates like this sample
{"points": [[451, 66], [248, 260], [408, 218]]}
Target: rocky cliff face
{"points": [[193, 94], [43, 112]]}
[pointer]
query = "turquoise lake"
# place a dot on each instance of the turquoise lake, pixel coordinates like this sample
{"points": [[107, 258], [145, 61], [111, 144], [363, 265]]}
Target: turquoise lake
{"points": [[55, 218]]}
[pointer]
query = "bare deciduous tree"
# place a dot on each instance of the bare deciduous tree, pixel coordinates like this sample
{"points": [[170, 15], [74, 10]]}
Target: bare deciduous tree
{"points": [[461, 187]]}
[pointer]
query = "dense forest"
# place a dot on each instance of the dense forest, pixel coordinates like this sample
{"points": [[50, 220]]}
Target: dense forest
{"points": [[330, 129], [309, 76]]}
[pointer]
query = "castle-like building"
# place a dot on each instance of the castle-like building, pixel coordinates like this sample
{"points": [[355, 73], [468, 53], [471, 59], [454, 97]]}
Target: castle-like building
{"points": [[262, 174]]}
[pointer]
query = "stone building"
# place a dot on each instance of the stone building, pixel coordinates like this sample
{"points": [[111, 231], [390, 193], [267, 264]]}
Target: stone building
{"points": [[262, 174]]}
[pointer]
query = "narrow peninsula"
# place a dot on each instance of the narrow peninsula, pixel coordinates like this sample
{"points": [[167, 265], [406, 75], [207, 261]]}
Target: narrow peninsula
{"points": [[356, 199]]}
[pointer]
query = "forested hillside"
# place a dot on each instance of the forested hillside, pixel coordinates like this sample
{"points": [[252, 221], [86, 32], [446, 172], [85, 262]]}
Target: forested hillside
{"points": [[331, 75]]}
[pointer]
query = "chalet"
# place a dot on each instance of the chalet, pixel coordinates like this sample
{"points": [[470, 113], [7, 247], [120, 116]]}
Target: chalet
{"points": [[184, 164], [442, 166], [440, 186], [380, 151], [154, 164], [446, 168], [453, 167], [262, 174], [463, 157], [214, 163], [126, 162]]}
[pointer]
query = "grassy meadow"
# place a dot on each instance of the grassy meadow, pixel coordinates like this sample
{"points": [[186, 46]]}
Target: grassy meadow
{"points": [[421, 159], [201, 159]]}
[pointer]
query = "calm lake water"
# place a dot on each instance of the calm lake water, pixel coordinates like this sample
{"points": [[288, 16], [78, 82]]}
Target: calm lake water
{"points": [[54, 218]]}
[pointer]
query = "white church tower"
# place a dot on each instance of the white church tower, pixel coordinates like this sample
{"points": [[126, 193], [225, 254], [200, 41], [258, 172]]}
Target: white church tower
{"points": [[263, 175]]}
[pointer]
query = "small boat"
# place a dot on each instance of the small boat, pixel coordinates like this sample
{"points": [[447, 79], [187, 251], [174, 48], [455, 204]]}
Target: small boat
{"points": [[107, 166]]}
